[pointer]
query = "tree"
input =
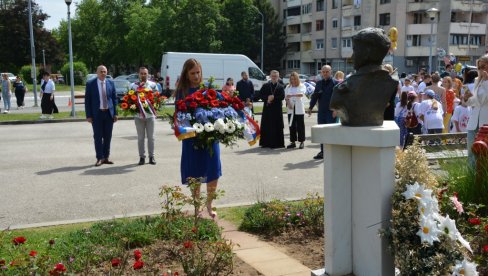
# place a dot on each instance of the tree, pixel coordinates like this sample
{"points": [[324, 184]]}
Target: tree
{"points": [[15, 42]]}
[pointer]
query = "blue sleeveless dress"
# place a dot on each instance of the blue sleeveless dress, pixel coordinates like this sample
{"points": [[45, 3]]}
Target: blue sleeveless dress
{"points": [[198, 163]]}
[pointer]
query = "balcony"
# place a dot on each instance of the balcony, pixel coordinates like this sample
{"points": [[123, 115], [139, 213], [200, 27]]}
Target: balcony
{"points": [[347, 31], [293, 55], [307, 56], [293, 20], [463, 50], [293, 3], [293, 37], [347, 11], [420, 29], [416, 51], [463, 28], [465, 6], [307, 37], [416, 7], [307, 18]]}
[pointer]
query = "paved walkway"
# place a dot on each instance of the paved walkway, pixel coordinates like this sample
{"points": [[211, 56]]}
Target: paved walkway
{"points": [[263, 257]]}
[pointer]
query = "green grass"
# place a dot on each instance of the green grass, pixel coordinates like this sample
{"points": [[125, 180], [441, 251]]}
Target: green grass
{"points": [[234, 215], [35, 116]]}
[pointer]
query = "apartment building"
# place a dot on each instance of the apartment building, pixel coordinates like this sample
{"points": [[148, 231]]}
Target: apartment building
{"points": [[320, 31]]}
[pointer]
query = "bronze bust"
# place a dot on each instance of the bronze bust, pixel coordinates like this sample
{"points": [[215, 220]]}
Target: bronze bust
{"points": [[361, 99]]}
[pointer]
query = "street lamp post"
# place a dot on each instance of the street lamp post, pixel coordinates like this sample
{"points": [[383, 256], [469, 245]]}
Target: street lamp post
{"points": [[72, 78], [44, 59], [262, 37], [432, 14], [33, 55]]}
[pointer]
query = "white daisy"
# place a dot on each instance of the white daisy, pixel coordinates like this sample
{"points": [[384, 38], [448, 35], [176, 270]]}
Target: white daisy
{"points": [[230, 127], [448, 226], [465, 268], [209, 127], [429, 231], [198, 127], [416, 191]]}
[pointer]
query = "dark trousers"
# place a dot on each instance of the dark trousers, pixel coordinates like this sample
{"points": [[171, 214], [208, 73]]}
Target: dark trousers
{"points": [[47, 106], [102, 133], [20, 98], [297, 126]]}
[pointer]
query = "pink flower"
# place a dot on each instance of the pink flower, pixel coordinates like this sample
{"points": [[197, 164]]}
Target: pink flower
{"points": [[457, 204]]}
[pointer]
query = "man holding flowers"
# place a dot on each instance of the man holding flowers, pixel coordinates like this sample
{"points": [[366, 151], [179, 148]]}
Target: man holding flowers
{"points": [[144, 120]]}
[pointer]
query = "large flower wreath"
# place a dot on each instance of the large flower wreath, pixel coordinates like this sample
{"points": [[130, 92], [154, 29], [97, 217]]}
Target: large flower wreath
{"points": [[142, 100]]}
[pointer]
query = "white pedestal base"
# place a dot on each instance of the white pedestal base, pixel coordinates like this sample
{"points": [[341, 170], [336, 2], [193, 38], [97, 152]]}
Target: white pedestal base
{"points": [[358, 183]]}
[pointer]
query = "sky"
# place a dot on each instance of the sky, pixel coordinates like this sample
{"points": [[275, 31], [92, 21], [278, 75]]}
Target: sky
{"points": [[57, 11]]}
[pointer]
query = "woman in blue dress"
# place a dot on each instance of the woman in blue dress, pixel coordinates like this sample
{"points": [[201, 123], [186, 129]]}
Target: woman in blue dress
{"points": [[196, 162]]}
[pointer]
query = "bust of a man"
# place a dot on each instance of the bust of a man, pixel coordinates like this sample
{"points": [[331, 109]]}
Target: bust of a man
{"points": [[361, 99]]}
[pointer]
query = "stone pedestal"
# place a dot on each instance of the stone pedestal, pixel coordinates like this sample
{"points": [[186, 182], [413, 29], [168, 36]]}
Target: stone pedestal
{"points": [[358, 184]]}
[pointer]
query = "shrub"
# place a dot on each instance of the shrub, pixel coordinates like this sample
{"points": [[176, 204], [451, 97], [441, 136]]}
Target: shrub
{"points": [[79, 71], [26, 71]]}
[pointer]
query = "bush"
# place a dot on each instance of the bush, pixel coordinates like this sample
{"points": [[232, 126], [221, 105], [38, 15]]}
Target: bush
{"points": [[80, 72], [25, 73]]}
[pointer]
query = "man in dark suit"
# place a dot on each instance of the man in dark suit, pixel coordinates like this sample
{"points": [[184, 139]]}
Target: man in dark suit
{"points": [[245, 88], [101, 112], [322, 95]]}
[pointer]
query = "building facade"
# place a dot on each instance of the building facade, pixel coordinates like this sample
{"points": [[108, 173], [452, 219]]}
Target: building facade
{"points": [[319, 31]]}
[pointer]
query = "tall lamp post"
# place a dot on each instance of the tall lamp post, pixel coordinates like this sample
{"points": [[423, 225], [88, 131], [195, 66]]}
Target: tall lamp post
{"points": [[72, 78], [432, 14], [262, 37], [44, 59], [33, 55]]}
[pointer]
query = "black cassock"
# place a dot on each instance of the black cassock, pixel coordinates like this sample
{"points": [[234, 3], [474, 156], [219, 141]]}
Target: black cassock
{"points": [[272, 119]]}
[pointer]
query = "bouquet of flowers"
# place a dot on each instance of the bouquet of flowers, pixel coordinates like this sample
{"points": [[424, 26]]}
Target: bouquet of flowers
{"points": [[142, 100], [211, 116]]}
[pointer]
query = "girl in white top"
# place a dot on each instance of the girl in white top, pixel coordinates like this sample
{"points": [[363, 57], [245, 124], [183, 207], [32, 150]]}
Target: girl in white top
{"points": [[478, 100], [294, 94], [431, 113]]}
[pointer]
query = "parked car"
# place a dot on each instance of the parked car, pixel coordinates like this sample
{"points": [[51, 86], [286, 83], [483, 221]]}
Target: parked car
{"points": [[121, 77], [92, 76], [302, 77], [131, 78], [121, 87], [11, 76]]}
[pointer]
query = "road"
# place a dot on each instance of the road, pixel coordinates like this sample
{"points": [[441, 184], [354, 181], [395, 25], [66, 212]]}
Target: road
{"points": [[47, 174]]}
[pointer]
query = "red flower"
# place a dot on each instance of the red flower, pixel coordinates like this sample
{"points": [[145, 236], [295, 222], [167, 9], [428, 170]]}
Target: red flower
{"points": [[214, 103], [240, 105], [2, 262], [194, 229], [137, 254], [486, 228], [236, 100], [198, 96], [180, 102], [138, 265], [204, 103], [58, 269], [176, 273], [51, 242], [125, 98], [189, 99], [223, 104], [124, 105], [133, 97], [33, 253], [19, 240], [115, 262], [212, 94], [143, 99], [188, 244], [226, 97], [150, 96], [193, 105], [485, 248], [474, 221], [181, 107], [235, 106]]}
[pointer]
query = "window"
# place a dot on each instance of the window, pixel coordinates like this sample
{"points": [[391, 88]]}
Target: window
{"points": [[319, 25], [333, 43], [417, 18], [307, 8], [346, 43], [357, 20], [319, 44], [335, 23], [255, 73], [384, 19], [295, 11], [320, 5], [416, 40], [385, 1], [293, 64], [334, 4], [462, 39]]}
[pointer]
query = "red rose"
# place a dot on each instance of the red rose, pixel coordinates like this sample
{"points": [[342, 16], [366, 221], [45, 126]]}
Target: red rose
{"points": [[240, 105], [188, 244], [485, 248], [235, 106], [188, 98], [193, 105], [115, 262], [198, 96], [59, 267], [226, 97], [137, 254], [474, 221], [150, 96], [223, 104], [51, 242], [179, 102], [138, 265], [236, 100], [181, 107], [19, 240], [214, 103], [33, 253], [486, 228], [204, 103], [212, 94]]}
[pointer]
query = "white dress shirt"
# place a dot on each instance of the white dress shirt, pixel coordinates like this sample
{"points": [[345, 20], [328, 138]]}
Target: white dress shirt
{"points": [[100, 83]]}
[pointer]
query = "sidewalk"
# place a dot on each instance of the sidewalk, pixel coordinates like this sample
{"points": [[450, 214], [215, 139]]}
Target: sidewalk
{"points": [[263, 257]]}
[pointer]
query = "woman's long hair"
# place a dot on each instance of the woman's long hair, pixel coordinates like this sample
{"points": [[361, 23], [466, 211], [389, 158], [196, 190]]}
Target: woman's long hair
{"points": [[184, 83], [295, 75], [459, 85], [411, 100], [404, 99]]}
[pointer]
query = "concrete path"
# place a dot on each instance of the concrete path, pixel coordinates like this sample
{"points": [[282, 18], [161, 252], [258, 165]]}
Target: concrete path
{"points": [[47, 174]]}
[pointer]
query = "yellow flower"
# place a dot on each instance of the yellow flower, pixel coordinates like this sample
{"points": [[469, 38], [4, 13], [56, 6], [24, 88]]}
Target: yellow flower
{"points": [[141, 95], [131, 92], [147, 89]]}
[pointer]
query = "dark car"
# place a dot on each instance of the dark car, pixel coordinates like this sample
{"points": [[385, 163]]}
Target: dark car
{"points": [[121, 87]]}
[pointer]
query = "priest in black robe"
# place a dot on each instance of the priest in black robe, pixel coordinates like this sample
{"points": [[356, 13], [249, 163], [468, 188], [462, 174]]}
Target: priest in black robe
{"points": [[272, 94]]}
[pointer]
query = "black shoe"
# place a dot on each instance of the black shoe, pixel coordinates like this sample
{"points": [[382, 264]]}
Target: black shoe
{"points": [[291, 146], [152, 161], [142, 161], [301, 145], [320, 155]]}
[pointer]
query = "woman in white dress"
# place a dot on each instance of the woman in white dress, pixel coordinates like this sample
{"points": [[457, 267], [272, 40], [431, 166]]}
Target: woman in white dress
{"points": [[294, 94]]}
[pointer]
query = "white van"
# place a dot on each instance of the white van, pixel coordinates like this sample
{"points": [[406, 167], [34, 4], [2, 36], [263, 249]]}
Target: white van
{"points": [[219, 66]]}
